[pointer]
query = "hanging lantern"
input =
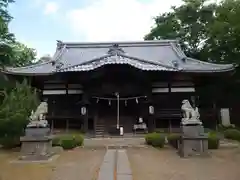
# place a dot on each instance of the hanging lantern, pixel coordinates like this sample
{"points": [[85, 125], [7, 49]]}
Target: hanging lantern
{"points": [[125, 103], [109, 102], [151, 110], [83, 110], [137, 100]]}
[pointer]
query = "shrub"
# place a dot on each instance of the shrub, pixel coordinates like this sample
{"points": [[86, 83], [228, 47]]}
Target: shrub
{"points": [[155, 139], [69, 141], [15, 110], [10, 142], [159, 131], [233, 134], [56, 141], [78, 139], [213, 140], [173, 139], [148, 139], [225, 127]]}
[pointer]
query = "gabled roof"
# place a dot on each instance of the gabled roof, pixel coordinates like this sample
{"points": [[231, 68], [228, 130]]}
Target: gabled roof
{"points": [[156, 55]]}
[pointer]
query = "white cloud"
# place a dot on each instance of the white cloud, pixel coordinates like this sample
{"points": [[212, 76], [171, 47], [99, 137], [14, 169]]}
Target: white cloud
{"points": [[107, 20], [51, 8]]}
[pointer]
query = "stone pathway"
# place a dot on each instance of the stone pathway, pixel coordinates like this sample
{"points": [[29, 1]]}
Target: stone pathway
{"points": [[115, 166], [114, 142]]}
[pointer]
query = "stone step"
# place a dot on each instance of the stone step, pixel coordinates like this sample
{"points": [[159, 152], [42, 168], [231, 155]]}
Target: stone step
{"points": [[99, 132]]}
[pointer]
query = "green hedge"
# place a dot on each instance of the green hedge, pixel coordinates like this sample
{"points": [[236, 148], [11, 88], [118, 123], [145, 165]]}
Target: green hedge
{"points": [[223, 128], [56, 141], [10, 142], [213, 140], [173, 139], [68, 141], [233, 134], [155, 140]]}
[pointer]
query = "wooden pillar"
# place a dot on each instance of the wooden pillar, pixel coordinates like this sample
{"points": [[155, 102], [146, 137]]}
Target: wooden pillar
{"points": [[66, 88], [169, 96], [85, 116], [170, 126], [52, 126], [86, 121], [67, 125]]}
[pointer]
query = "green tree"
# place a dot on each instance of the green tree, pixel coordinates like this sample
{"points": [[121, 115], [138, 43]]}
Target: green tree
{"points": [[224, 33], [206, 31], [15, 111], [22, 55], [188, 23], [12, 53], [6, 38]]}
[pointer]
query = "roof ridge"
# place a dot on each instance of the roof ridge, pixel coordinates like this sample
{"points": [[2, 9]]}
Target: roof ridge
{"points": [[105, 43], [147, 61], [178, 51], [59, 53]]}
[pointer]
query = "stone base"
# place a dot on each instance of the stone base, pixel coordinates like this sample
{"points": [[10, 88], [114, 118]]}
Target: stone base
{"points": [[36, 148], [23, 161], [193, 140], [35, 157], [192, 146], [193, 130]]}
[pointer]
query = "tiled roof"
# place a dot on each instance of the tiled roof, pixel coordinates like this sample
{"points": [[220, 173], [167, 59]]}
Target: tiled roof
{"points": [[161, 55]]}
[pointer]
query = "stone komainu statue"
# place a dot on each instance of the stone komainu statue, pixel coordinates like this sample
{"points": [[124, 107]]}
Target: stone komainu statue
{"points": [[189, 113], [37, 118]]}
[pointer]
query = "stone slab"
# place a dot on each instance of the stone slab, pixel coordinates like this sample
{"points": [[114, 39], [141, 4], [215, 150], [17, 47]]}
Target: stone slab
{"points": [[106, 171], [105, 175], [124, 177], [123, 165]]}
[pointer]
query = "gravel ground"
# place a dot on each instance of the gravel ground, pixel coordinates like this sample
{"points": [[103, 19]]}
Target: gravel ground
{"points": [[10, 171], [165, 164], [78, 164]]}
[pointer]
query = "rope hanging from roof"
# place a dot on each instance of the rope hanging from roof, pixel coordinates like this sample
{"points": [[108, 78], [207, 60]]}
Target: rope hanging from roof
{"points": [[121, 99]]}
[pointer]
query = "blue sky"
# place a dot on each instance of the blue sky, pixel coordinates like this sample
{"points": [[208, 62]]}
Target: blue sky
{"points": [[39, 23]]}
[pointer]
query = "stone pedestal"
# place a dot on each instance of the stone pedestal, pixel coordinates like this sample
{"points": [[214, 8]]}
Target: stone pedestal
{"points": [[193, 140], [36, 144]]}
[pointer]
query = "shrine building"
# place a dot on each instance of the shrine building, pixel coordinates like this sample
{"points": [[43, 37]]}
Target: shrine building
{"points": [[96, 87]]}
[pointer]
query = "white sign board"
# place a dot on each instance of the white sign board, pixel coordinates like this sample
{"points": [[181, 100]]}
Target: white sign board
{"points": [[225, 116]]}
